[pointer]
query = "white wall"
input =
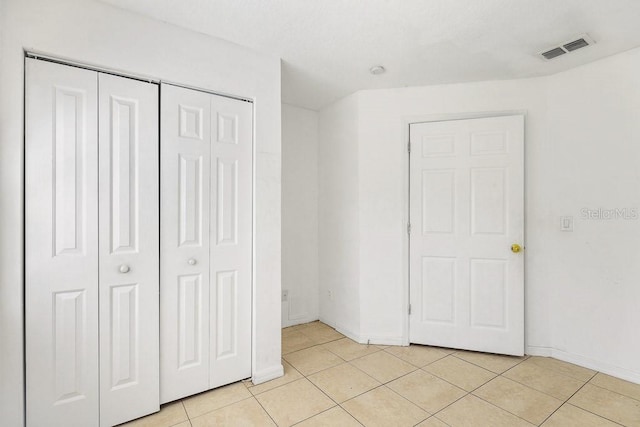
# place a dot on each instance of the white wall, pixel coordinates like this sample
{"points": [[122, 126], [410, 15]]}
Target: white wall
{"points": [[299, 215], [93, 32], [339, 213], [582, 150], [592, 276]]}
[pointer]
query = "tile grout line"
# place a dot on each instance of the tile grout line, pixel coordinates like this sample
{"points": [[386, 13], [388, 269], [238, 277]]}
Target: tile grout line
{"points": [[349, 362], [387, 382], [529, 387], [429, 414], [373, 352], [611, 391], [315, 342], [587, 410], [265, 411], [221, 407], [350, 414], [336, 404], [311, 346], [445, 407], [467, 393], [566, 402], [278, 386], [442, 421], [532, 388], [558, 372], [322, 391], [541, 391], [420, 367], [359, 394], [508, 411], [486, 369], [455, 385], [375, 388], [397, 357], [323, 369], [184, 408]]}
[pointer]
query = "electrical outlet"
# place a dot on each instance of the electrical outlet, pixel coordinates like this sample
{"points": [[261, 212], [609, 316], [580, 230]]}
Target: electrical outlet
{"points": [[330, 294], [285, 296]]}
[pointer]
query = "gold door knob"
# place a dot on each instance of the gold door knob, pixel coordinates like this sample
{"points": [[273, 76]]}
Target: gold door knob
{"points": [[515, 248]]}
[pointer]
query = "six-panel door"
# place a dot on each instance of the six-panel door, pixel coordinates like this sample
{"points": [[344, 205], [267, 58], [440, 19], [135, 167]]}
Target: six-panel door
{"points": [[206, 159], [467, 209], [230, 259], [184, 271]]}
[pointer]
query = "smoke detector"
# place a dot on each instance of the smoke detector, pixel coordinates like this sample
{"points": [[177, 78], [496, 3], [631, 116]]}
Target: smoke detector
{"points": [[567, 47], [377, 69]]}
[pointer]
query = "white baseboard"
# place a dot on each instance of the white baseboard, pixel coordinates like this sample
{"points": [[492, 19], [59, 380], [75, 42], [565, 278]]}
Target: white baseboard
{"points": [[298, 321], [385, 340], [325, 321], [585, 362], [533, 350], [373, 339], [267, 374], [348, 333]]}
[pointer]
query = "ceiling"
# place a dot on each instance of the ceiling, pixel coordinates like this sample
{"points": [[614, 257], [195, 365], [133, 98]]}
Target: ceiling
{"points": [[328, 46]]}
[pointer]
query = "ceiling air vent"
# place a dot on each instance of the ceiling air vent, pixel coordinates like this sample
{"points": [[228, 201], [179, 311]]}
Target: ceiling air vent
{"points": [[553, 53], [576, 44], [567, 47]]}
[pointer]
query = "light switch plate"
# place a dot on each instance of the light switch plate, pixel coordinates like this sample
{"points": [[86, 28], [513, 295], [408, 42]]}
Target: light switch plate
{"points": [[566, 223]]}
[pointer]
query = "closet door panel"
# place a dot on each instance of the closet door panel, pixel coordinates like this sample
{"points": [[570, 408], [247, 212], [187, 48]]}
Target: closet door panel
{"points": [[129, 249], [61, 245], [185, 199], [231, 240]]}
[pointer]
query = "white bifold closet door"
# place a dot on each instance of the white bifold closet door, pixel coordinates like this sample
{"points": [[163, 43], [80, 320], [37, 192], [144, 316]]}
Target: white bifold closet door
{"points": [[129, 249], [91, 225], [206, 241]]}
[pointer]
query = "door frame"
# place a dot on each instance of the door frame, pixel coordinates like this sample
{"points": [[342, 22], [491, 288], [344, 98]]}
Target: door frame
{"points": [[43, 56], [407, 121]]}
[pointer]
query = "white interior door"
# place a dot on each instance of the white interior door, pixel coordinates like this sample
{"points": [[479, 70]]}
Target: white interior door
{"points": [[61, 238], [184, 273], [129, 249], [466, 212], [206, 241], [231, 231]]}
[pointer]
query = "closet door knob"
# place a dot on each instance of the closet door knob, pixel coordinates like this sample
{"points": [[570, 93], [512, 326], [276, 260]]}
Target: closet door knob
{"points": [[124, 268], [192, 261]]}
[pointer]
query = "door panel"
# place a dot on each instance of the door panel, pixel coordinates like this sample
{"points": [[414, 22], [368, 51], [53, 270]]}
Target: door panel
{"points": [[61, 245], [185, 189], [206, 204], [467, 208], [231, 232], [129, 249]]}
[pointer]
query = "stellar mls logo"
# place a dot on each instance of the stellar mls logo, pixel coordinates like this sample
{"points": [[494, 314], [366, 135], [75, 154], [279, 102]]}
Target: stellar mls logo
{"points": [[600, 214]]}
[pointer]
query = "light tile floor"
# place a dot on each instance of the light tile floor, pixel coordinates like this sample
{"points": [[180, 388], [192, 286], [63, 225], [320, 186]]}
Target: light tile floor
{"points": [[332, 381]]}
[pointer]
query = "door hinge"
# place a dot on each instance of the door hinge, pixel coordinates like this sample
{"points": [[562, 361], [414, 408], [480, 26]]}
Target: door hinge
{"points": [[409, 147], [409, 309], [409, 228]]}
